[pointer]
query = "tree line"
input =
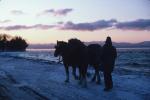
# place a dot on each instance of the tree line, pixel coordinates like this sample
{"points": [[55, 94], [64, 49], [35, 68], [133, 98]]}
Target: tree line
{"points": [[10, 43]]}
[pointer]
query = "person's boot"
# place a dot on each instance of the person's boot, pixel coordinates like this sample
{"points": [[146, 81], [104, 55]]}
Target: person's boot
{"points": [[107, 89]]}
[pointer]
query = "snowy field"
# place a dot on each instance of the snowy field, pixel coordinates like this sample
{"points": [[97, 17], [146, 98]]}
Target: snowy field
{"points": [[36, 76]]}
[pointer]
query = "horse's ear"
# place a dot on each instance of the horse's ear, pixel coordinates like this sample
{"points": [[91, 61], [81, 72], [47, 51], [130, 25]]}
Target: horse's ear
{"points": [[57, 41]]}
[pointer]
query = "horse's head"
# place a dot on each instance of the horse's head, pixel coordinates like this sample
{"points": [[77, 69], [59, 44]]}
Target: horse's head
{"points": [[60, 48]]}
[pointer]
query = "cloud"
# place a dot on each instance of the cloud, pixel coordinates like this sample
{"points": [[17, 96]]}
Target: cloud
{"points": [[20, 27], [5, 21], [140, 24], [17, 12], [101, 24], [59, 12], [97, 25]]}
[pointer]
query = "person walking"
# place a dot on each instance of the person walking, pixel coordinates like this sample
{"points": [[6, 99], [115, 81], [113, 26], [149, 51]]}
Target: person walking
{"points": [[109, 55]]}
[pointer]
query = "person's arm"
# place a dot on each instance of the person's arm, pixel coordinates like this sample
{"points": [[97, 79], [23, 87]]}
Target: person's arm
{"points": [[115, 53]]}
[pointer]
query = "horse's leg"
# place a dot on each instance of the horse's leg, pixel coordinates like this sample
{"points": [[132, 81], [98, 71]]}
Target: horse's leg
{"points": [[94, 77], [97, 75], [67, 73], [84, 73], [80, 75], [74, 72]]}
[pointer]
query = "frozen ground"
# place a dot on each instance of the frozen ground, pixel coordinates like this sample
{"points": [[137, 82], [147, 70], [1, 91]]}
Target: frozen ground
{"points": [[22, 79]]}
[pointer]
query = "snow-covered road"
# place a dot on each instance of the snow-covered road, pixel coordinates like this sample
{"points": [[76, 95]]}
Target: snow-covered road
{"points": [[22, 79]]}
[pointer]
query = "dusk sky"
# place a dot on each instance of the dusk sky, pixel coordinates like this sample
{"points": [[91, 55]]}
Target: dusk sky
{"points": [[46, 21]]}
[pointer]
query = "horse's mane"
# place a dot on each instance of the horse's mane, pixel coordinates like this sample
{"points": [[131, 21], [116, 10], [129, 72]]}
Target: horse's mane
{"points": [[62, 43], [75, 43]]}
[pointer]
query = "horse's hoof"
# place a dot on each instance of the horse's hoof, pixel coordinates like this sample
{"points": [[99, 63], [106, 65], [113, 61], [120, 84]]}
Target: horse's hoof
{"points": [[92, 80], [76, 78], [88, 74], [98, 82], [66, 81], [79, 82], [84, 86]]}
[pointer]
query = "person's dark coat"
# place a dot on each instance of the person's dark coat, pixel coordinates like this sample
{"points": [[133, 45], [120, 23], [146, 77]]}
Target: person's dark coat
{"points": [[109, 55]]}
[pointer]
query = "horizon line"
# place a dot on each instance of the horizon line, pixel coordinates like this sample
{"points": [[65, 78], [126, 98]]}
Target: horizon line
{"points": [[89, 41]]}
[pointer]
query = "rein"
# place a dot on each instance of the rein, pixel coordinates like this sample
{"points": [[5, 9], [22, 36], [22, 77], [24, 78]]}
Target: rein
{"points": [[59, 59]]}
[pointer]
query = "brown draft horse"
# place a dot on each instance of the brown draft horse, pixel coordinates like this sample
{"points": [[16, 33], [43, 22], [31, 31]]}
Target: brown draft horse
{"points": [[74, 54], [94, 60]]}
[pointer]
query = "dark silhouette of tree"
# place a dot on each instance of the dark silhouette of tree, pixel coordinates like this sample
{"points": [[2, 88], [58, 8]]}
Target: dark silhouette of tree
{"points": [[9, 43], [17, 44], [4, 38]]}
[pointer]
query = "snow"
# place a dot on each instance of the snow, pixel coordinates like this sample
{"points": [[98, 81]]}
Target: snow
{"points": [[44, 55], [25, 79]]}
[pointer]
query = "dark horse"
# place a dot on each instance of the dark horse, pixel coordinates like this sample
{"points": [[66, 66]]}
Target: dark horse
{"points": [[74, 54], [94, 60]]}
